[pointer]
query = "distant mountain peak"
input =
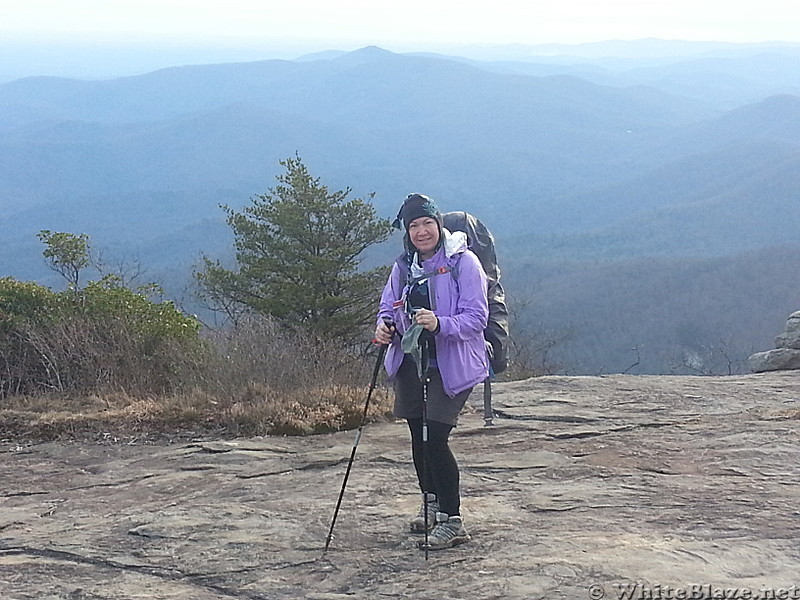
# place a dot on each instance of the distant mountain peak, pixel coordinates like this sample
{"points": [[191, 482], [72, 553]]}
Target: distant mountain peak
{"points": [[364, 55], [371, 51]]}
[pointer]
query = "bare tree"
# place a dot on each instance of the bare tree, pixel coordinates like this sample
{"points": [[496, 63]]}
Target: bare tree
{"points": [[531, 345]]}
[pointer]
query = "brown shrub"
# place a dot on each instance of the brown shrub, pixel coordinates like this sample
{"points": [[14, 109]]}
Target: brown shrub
{"points": [[256, 379]]}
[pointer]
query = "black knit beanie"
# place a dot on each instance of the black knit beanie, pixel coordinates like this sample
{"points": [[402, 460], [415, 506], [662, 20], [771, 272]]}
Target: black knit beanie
{"points": [[414, 207]]}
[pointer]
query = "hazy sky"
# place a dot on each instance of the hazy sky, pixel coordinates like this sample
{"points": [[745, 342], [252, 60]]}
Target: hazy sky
{"points": [[416, 23]]}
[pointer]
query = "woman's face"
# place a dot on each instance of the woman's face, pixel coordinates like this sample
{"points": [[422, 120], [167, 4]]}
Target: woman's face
{"points": [[424, 234]]}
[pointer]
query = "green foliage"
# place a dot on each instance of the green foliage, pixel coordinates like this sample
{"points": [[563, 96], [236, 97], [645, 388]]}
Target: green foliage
{"points": [[298, 250], [107, 299], [66, 253], [26, 302], [102, 336]]}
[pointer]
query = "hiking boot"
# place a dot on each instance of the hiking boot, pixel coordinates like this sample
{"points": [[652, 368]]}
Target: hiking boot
{"points": [[417, 524], [448, 532]]}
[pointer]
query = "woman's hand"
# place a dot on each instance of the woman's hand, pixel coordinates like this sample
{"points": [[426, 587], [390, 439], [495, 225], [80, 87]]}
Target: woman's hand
{"points": [[384, 332], [427, 319]]}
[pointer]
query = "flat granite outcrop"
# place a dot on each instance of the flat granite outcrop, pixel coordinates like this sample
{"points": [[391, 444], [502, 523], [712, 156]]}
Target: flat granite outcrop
{"points": [[586, 487]]}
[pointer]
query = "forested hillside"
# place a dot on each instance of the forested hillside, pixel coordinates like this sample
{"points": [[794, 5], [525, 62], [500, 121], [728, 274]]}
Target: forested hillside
{"points": [[645, 210]]}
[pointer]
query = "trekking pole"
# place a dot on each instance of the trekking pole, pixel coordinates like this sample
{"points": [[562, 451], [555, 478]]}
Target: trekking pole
{"points": [[381, 353], [488, 413], [425, 466]]}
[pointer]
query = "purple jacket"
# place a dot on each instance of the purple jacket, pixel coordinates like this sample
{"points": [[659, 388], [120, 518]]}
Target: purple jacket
{"points": [[460, 304]]}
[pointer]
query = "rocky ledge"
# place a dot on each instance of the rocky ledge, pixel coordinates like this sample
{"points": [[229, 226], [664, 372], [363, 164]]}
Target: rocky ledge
{"points": [[786, 355], [586, 487]]}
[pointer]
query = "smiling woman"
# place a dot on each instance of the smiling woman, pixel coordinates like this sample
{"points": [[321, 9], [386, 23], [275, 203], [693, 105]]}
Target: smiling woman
{"points": [[424, 234], [434, 329]]}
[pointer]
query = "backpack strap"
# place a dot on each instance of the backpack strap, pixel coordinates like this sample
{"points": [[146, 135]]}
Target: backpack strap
{"points": [[429, 274], [405, 270]]}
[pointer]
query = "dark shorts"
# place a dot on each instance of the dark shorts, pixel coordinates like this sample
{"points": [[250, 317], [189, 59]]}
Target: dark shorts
{"points": [[408, 394]]}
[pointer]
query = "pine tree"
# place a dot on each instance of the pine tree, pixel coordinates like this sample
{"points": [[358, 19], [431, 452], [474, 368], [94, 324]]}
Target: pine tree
{"points": [[298, 251]]}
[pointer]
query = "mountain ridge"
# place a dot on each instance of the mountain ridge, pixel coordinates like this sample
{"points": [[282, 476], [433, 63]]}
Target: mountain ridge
{"points": [[558, 166]]}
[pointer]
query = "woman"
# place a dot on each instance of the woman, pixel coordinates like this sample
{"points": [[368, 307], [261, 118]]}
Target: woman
{"points": [[434, 306]]}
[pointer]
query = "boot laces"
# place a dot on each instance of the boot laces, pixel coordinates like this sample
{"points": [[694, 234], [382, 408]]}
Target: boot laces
{"points": [[444, 531]]}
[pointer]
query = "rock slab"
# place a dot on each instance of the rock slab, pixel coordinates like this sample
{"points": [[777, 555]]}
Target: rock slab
{"points": [[786, 355], [780, 359], [790, 338], [584, 488]]}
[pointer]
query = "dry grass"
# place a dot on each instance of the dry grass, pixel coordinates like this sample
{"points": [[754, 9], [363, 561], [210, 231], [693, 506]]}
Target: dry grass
{"points": [[256, 412], [318, 410], [255, 380]]}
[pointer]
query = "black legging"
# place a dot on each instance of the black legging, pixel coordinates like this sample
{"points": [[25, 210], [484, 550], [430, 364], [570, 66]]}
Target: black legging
{"points": [[441, 475]]}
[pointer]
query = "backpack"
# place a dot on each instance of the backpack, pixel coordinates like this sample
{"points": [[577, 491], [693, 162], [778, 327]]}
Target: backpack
{"points": [[481, 241]]}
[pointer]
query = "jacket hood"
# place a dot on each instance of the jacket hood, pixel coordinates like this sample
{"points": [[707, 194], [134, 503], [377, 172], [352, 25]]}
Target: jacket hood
{"points": [[454, 242]]}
